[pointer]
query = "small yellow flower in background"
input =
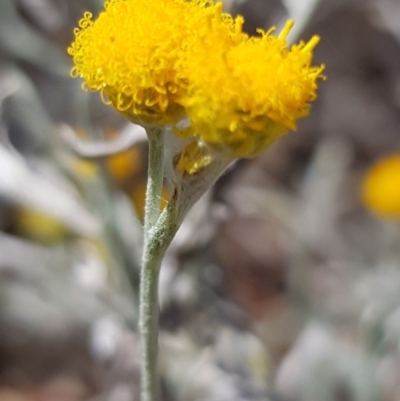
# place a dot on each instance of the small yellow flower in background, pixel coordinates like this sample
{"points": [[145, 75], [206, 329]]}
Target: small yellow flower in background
{"points": [[124, 165], [134, 50], [243, 97], [40, 227], [381, 187], [84, 169]]}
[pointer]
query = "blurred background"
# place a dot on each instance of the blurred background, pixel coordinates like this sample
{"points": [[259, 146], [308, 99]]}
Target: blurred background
{"points": [[281, 284]]}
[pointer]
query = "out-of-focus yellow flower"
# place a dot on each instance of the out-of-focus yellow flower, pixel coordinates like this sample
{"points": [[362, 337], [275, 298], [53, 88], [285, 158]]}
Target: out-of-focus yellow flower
{"points": [[85, 169], [124, 165], [40, 227], [133, 53], [241, 98], [381, 187]]}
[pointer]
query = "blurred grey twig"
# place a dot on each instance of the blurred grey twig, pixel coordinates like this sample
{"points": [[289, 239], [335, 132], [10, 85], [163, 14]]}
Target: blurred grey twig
{"points": [[131, 136], [24, 106], [21, 42], [21, 186]]}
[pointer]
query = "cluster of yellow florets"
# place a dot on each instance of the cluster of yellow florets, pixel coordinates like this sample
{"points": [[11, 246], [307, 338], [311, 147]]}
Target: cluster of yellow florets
{"points": [[158, 61], [247, 95], [134, 51]]}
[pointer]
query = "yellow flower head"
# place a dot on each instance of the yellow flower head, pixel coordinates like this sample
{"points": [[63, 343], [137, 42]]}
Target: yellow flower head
{"points": [[381, 187], [158, 61], [134, 50], [242, 97]]}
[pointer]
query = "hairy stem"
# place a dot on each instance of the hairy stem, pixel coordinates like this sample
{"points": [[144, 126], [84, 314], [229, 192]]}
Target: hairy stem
{"points": [[158, 242], [154, 179], [151, 262], [159, 230], [149, 322]]}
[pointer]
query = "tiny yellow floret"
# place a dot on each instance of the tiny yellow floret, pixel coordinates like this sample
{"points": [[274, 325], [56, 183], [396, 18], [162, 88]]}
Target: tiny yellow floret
{"points": [[381, 187], [194, 157]]}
